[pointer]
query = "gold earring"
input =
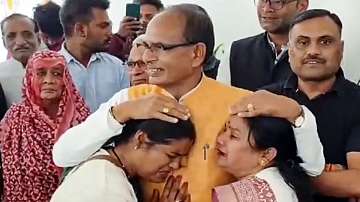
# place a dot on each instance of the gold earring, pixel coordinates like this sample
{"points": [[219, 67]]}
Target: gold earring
{"points": [[262, 162]]}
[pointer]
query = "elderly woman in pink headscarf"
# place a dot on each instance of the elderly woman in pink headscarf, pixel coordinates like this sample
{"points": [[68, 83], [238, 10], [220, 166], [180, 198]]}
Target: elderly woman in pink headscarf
{"points": [[29, 129]]}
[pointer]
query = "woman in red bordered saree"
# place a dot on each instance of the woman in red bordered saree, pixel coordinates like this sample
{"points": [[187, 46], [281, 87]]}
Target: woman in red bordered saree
{"points": [[261, 153], [30, 128]]}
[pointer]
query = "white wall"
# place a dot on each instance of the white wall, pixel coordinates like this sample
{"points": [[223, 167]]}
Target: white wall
{"points": [[235, 19]]}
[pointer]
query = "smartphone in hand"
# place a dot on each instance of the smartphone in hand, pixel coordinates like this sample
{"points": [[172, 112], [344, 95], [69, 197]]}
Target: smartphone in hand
{"points": [[133, 10]]}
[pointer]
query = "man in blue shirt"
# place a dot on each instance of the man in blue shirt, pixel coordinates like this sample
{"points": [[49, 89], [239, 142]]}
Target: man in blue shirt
{"points": [[87, 27]]}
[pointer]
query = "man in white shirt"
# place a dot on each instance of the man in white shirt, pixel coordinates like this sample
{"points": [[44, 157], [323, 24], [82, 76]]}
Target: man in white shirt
{"points": [[20, 36]]}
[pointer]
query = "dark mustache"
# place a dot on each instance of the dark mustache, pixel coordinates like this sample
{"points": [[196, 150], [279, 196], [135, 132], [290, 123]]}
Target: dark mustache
{"points": [[314, 58], [21, 47]]}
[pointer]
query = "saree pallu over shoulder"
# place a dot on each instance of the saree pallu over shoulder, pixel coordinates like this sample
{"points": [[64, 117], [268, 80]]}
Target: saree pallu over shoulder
{"points": [[252, 189]]}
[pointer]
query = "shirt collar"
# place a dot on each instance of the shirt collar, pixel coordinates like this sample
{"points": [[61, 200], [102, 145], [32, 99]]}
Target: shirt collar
{"points": [[17, 62], [273, 46], [192, 90], [70, 58], [339, 86]]}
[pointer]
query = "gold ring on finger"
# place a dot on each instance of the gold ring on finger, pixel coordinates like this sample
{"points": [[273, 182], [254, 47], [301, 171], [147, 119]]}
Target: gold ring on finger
{"points": [[250, 107], [165, 110]]}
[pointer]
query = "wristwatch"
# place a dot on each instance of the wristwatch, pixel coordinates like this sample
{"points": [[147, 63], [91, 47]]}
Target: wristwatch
{"points": [[299, 121]]}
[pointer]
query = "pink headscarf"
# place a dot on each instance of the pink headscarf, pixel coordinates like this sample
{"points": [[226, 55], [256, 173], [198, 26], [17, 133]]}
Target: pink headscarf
{"points": [[27, 134]]}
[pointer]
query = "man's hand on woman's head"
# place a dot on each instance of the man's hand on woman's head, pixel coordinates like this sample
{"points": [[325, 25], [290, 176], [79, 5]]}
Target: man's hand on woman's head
{"points": [[265, 103], [151, 106]]}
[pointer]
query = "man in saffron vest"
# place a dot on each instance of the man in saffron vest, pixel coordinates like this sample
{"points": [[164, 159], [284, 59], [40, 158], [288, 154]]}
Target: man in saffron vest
{"points": [[178, 42]]}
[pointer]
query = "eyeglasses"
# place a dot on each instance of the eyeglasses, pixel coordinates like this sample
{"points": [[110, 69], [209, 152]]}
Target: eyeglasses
{"points": [[157, 47], [274, 4], [132, 64]]}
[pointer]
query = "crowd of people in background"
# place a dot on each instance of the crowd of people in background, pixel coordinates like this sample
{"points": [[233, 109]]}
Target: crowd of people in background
{"points": [[137, 115]]}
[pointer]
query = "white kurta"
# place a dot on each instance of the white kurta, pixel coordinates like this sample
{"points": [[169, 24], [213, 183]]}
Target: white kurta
{"points": [[12, 73], [94, 181]]}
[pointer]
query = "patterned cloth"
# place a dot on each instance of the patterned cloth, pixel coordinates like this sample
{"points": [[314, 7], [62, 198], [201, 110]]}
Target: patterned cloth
{"points": [[27, 134], [252, 189]]}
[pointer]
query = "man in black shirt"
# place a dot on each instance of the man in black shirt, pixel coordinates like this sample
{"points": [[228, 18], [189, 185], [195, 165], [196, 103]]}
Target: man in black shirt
{"points": [[315, 54], [263, 59]]}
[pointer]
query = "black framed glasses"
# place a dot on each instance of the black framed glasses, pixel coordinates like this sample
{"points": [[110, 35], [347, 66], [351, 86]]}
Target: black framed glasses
{"points": [[132, 64], [274, 4], [157, 47]]}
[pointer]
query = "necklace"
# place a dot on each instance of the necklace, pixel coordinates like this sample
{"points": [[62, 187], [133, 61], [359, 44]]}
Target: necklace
{"points": [[120, 162]]}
